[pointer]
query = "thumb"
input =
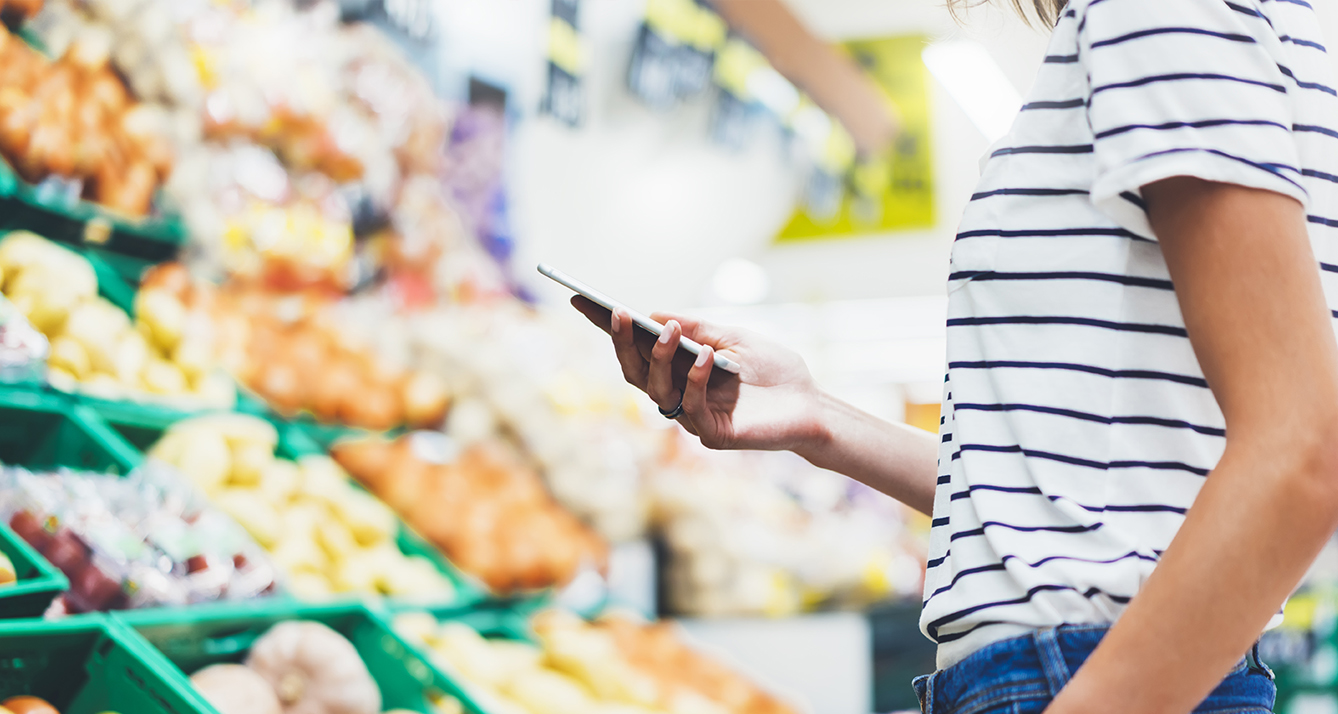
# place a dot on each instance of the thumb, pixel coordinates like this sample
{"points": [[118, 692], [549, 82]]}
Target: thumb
{"points": [[698, 330]]}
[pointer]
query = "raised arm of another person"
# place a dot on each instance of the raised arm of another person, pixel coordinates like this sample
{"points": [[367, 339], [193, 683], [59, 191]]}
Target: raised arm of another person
{"points": [[1249, 288], [773, 404]]}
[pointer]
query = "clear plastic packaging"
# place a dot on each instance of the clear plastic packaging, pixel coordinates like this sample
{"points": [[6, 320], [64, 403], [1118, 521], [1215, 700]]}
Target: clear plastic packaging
{"points": [[144, 540]]}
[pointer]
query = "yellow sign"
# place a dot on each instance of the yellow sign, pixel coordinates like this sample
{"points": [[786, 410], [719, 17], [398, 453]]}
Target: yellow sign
{"points": [[894, 191]]}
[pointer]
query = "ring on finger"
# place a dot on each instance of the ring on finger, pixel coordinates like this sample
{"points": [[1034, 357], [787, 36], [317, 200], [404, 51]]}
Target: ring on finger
{"points": [[674, 413]]}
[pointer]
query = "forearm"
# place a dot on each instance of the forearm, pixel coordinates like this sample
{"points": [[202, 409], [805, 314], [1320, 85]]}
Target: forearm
{"points": [[899, 460], [1256, 526]]}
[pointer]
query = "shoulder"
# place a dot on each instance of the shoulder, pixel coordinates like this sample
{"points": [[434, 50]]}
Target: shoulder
{"points": [[1246, 14]]}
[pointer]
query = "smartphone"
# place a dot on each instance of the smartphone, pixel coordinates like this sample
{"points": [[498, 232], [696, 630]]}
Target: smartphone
{"points": [[642, 321]]}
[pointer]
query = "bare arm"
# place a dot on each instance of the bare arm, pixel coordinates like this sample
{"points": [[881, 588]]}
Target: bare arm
{"points": [[774, 404], [1250, 294]]}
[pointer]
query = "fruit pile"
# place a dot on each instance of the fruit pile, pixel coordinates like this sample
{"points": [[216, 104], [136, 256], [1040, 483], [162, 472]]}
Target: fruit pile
{"points": [[326, 534], [613, 665], [73, 118], [95, 347], [488, 511], [295, 351]]}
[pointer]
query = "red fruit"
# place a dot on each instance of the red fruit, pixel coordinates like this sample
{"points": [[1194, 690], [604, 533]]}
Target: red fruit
{"points": [[30, 529]]}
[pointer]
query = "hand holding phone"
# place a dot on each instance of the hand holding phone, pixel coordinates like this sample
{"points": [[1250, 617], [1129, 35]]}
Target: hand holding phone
{"points": [[639, 319]]}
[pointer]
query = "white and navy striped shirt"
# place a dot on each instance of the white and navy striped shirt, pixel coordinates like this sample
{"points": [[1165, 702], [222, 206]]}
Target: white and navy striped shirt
{"points": [[1077, 425]]}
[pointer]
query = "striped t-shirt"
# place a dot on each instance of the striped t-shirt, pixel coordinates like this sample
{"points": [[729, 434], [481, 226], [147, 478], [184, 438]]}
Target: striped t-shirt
{"points": [[1077, 426]]}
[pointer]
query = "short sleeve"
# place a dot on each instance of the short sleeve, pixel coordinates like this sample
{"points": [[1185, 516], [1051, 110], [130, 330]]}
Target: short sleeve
{"points": [[1184, 88]]}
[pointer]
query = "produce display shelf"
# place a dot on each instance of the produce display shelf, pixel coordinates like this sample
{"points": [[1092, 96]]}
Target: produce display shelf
{"points": [[142, 429], [189, 639], [39, 582], [46, 210], [87, 665]]}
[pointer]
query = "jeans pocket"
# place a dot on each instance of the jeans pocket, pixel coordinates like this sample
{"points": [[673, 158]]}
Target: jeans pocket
{"points": [[923, 692]]}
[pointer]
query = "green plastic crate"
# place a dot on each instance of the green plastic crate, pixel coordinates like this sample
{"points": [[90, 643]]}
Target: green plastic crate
{"points": [[196, 637], [39, 582], [77, 222], [87, 665], [41, 428]]}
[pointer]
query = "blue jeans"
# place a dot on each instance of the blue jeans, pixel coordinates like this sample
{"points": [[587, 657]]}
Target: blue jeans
{"points": [[1021, 675]]}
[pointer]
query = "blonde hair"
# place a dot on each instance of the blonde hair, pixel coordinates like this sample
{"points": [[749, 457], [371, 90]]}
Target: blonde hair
{"points": [[1047, 11]]}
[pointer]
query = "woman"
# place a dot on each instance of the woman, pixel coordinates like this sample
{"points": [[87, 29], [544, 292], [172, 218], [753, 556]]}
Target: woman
{"points": [[1137, 324]]}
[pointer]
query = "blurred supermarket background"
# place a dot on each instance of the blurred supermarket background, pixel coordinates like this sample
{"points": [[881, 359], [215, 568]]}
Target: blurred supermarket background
{"points": [[288, 421]]}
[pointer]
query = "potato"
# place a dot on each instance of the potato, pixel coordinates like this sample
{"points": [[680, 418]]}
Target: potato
{"points": [[21, 249], [249, 460], [103, 386], [300, 520], [415, 577], [238, 429], [299, 555], [309, 586], [202, 456], [130, 359], [162, 377], [322, 479], [547, 692], [98, 325], [162, 317], [279, 481], [60, 379], [46, 298], [216, 389], [335, 539], [69, 355], [192, 357], [251, 512], [416, 627], [369, 520], [358, 573]]}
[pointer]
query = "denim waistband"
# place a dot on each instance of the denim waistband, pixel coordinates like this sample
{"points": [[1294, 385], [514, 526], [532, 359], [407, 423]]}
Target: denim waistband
{"points": [[1023, 674]]}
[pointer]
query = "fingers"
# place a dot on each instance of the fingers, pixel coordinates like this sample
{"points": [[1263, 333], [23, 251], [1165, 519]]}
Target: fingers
{"points": [[660, 379], [635, 367], [597, 314], [694, 329], [694, 395]]}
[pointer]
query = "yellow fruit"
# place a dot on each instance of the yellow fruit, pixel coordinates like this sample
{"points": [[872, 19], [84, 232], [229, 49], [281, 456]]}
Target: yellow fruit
{"points": [[69, 355], [130, 358], [249, 461], [335, 539], [299, 555], [162, 317], [279, 481], [98, 325], [202, 456], [7, 574], [358, 573], [103, 386], [192, 357], [162, 377], [309, 586], [252, 513], [369, 520]]}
